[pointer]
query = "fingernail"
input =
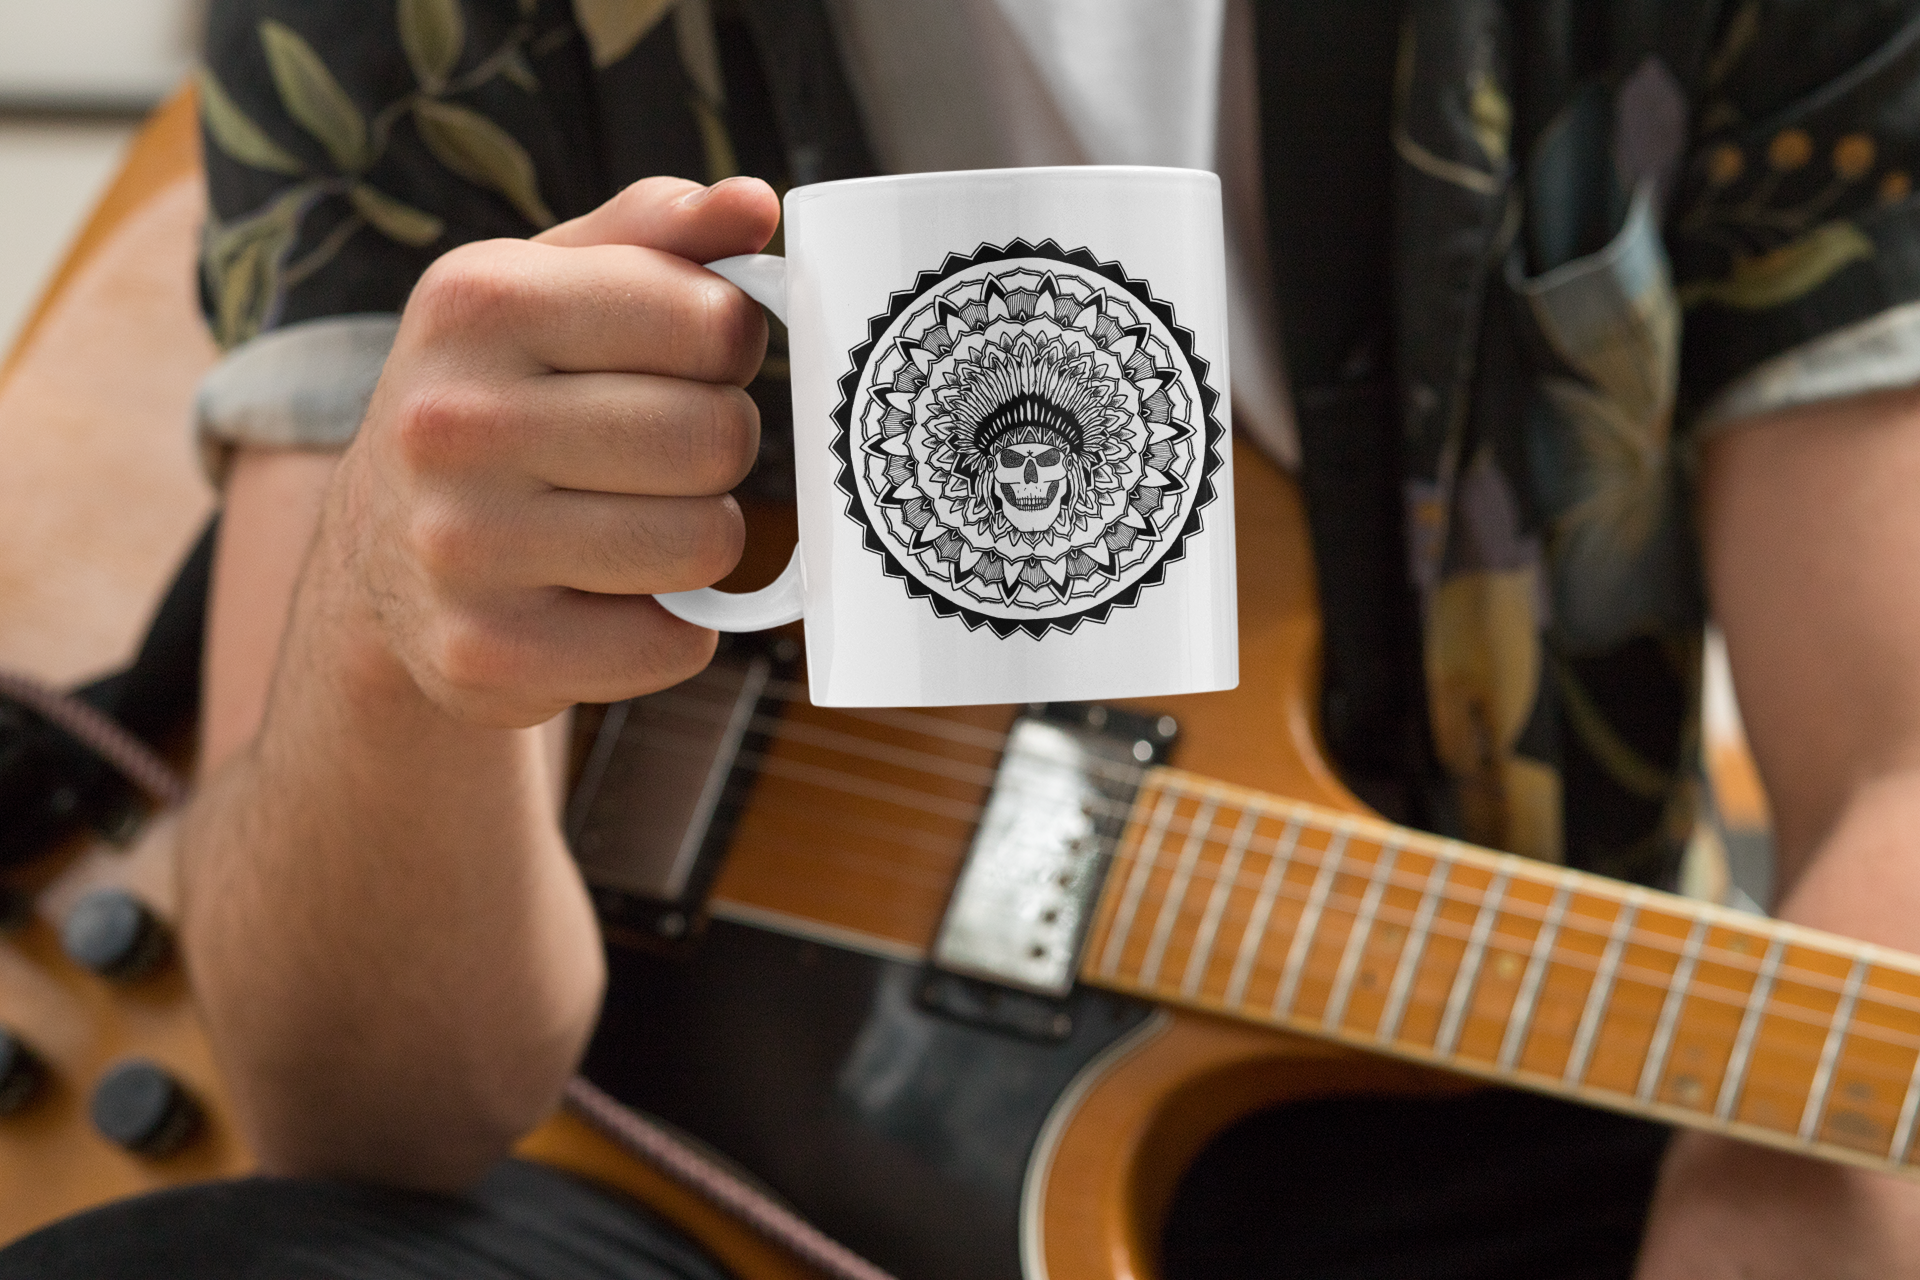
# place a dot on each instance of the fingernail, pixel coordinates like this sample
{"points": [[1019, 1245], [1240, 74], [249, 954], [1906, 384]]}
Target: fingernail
{"points": [[736, 180]]}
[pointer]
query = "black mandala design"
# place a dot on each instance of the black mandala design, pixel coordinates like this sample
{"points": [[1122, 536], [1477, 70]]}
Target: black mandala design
{"points": [[1027, 438]]}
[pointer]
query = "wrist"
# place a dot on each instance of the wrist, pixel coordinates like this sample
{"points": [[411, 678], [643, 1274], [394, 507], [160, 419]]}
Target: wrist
{"points": [[340, 661]]}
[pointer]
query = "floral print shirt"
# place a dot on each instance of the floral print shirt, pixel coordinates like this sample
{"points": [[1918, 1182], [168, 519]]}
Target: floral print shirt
{"points": [[1612, 227]]}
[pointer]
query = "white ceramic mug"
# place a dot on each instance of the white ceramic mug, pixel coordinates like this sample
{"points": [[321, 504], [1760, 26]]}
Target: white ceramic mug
{"points": [[1011, 437]]}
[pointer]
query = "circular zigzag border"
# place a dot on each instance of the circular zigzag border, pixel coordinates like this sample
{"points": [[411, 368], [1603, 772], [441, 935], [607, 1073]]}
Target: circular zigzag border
{"points": [[847, 480]]}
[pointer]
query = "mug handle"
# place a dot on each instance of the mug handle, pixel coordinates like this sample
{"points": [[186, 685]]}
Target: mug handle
{"points": [[763, 278]]}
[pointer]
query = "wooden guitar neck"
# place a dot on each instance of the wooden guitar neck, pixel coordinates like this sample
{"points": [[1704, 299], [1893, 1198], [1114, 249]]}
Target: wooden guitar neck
{"points": [[1290, 915]]}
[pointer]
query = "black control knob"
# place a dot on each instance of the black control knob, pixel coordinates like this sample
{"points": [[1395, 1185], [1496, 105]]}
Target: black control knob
{"points": [[114, 934], [139, 1106], [21, 1073]]}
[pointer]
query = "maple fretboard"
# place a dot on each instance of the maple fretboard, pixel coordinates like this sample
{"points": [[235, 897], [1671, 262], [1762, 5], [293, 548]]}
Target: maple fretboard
{"points": [[1264, 909]]}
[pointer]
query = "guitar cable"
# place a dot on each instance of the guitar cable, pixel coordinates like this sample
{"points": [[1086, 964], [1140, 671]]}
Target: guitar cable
{"points": [[101, 733], [633, 1132]]}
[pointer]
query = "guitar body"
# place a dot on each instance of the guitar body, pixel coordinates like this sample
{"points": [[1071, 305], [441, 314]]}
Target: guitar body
{"points": [[940, 1150], [791, 1039]]}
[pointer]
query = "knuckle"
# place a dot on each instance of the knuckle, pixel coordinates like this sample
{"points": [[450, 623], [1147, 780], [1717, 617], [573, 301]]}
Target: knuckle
{"points": [[470, 286], [442, 543], [640, 200], [440, 425], [474, 659]]}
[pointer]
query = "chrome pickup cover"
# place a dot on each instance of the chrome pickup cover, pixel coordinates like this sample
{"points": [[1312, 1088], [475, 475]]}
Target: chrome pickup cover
{"points": [[1060, 798]]}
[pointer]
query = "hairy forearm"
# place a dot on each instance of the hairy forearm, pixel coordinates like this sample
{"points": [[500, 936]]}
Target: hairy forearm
{"points": [[395, 956]]}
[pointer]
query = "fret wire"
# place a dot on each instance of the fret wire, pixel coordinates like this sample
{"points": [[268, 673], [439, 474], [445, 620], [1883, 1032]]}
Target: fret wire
{"points": [[1256, 930], [1137, 883], [1176, 895], [1415, 948], [1893, 1038], [1656, 942], [973, 736], [1308, 925], [1274, 805], [1652, 977], [1520, 1016], [1601, 993], [1331, 821], [1736, 1074], [1202, 954], [1336, 1010], [1830, 1052], [1647, 976], [1815, 979], [1323, 968], [1279, 806], [1909, 1108], [1670, 1012], [1469, 973]]}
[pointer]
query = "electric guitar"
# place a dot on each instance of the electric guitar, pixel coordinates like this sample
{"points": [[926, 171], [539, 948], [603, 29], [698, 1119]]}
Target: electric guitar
{"points": [[1002, 972], [1168, 948]]}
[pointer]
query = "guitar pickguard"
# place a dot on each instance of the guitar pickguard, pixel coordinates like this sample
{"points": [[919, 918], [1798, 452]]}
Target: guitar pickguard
{"points": [[818, 1069]]}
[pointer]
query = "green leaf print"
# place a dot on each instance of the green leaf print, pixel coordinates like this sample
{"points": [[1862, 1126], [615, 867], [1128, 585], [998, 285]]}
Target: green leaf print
{"points": [[236, 134], [483, 153], [1792, 271], [432, 32], [313, 97], [614, 27], [244, 261], [395, 219]]}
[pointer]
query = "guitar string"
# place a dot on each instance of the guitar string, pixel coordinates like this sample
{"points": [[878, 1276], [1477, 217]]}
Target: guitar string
{"points": [[1552, 1001], [1630, 1026], [1517, 908], [1705, 992], [962, 811]]}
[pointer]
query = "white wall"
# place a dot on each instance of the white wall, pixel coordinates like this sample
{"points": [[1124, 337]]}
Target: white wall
{"points": [[94, 53]]}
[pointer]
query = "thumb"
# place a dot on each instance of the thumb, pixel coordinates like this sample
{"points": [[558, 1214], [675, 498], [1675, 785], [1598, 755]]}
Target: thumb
{"points": [[679, 217]]}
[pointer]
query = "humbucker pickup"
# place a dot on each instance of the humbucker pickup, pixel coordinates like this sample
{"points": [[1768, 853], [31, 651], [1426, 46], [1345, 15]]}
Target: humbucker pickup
{"points": [[1060, 797]]}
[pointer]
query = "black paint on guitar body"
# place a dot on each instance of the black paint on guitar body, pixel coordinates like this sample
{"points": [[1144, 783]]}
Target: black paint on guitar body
{"points": [[901, 1132]]}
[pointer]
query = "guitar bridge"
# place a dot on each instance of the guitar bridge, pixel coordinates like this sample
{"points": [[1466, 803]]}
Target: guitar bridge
{"points": [[1020, 910]]}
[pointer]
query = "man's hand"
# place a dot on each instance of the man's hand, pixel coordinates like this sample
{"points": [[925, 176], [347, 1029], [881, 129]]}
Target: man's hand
{"points": [[551, 443], [391, 945]]}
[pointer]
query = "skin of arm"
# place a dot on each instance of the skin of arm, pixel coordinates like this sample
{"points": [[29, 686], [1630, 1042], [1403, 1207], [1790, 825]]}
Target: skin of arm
{"points": [[1810, 523], [392, 950]]}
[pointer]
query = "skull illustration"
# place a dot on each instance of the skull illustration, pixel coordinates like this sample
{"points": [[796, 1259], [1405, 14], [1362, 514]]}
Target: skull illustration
{"points": [[1031, 481]]}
